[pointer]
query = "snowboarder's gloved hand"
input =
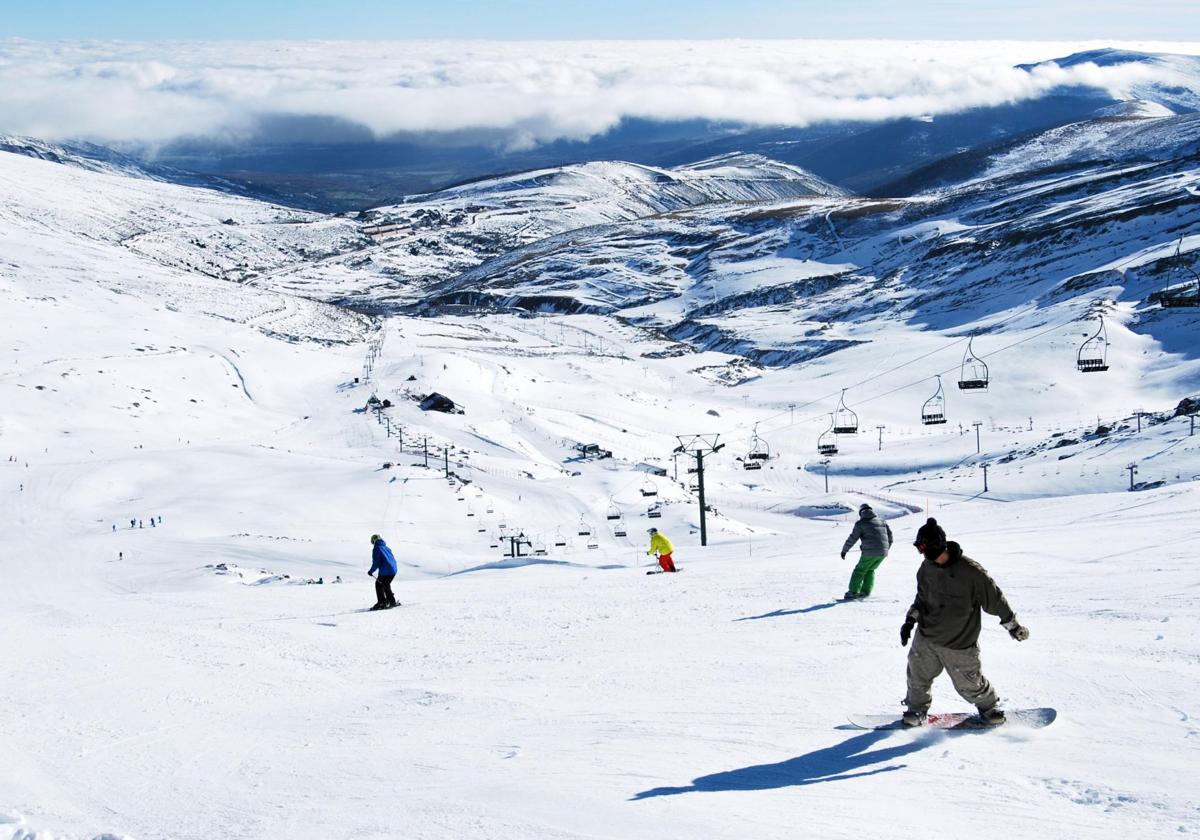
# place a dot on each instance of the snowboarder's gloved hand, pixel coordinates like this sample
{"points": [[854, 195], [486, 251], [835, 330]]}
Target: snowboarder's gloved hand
{"points": [[906, 631], [1017, 631], [843, 555]]}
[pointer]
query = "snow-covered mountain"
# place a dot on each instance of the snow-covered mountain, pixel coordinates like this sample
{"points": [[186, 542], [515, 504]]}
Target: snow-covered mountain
{"points": [[179, 352]]}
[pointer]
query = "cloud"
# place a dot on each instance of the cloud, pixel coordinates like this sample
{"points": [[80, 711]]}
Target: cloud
{"points": [[524, 93]]}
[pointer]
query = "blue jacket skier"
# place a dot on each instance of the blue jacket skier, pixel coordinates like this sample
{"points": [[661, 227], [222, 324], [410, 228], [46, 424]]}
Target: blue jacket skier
{"points": [[384, 562]]}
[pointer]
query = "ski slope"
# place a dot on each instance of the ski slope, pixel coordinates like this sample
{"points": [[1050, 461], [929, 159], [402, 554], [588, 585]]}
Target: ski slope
{"points": [[192, 680]]}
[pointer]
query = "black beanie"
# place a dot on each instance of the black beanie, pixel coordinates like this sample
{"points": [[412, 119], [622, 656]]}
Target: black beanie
{"points": [[930, 534]]}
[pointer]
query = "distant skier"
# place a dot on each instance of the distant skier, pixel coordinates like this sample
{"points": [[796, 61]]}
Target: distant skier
{"points": [[383, 562], [876, 536], [661, 546], [132, 523], [951, 590]]}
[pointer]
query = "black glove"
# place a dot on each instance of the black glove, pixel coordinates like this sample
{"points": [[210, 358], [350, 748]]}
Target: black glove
{"points": [[370, 574], [906, 631], [1017, 631], [843, 555]]}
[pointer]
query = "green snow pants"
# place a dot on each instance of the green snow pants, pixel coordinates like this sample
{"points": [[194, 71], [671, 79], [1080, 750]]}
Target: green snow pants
{"points": [[862, 579], [927, 660]]}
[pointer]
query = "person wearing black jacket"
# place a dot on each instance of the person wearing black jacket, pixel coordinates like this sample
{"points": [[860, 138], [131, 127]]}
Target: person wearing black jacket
{"points": [[952, 591]]}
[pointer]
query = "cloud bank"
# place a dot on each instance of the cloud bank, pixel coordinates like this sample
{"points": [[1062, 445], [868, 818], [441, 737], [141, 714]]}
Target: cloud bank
{"points": [[526, 93]]}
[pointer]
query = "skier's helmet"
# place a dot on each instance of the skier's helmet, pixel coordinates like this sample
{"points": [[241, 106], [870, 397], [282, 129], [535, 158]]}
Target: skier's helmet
{"points": [[375, 538], [651, 530]]}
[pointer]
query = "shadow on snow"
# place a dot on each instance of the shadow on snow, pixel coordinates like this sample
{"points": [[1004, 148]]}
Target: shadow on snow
{"points": [[779, 613], [848, 760]]}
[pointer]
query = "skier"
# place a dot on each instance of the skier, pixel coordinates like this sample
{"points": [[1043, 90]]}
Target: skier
{"points": [[383, 562], [132, 522], [951, 590], [660, 545], [876, 536]]}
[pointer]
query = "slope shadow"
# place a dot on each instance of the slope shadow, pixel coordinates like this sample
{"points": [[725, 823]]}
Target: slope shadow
{"points": [[847, 760], [778, 613]]}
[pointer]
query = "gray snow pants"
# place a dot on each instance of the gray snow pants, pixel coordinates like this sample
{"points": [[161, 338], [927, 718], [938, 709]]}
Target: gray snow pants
{"points": [[927, 660]]}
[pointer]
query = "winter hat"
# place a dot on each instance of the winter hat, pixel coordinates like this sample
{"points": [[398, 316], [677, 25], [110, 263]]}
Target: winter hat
{"points": [[931, 531], [375, 538], [651, 530], [864, 507]]}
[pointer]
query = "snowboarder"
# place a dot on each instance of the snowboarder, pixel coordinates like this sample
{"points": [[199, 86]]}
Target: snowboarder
{"points": [[383, 562], [132, 522], [661, 546], [951, 590], [876, 536]]}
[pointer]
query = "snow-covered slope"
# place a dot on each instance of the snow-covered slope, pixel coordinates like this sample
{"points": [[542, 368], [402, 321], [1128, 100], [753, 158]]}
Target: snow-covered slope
{"points": [[214, 675]]}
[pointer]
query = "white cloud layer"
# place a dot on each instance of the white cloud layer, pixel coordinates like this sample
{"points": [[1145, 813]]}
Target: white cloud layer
{"points": [[529, 92]]}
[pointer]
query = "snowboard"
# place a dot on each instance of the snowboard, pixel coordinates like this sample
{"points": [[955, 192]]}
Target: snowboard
{"points": [[1028, 718], [661, 571]]}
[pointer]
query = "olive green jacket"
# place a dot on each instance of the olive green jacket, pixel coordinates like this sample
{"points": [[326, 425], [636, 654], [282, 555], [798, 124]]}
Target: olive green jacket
{"points": [[950, 598]]}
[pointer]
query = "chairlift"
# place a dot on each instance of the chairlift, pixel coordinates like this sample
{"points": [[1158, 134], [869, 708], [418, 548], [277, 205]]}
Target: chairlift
{"points": [[827, 442], [747, 464], [614, 512], [470, 511], [845, 421], [539, 548], [1185, 291], [1093, 353], [584, 529], [1183, 280], [759, 449], [592, 544], [973, 375], [559, 540], [654, 512], [933, 413], [649, 488], [619, 529]]}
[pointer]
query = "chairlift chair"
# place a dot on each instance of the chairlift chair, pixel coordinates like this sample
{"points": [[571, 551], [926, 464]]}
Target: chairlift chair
{"points": [[1180, 293], [614, 512], [559, 540], [1093, 353], [619, 529], [539, 548], [592, 544], [649, 488], [845, 421], [747, 464], [654, 512], [973, 375], [584, 529], [827, 442], [933, 413], [759, 449]]}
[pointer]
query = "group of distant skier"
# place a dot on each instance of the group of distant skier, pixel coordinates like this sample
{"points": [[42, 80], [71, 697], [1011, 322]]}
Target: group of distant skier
{"points": [[945, 617], [943, 622]]}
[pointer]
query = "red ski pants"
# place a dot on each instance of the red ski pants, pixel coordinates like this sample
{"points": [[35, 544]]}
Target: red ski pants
{"points": [[665, 561]]}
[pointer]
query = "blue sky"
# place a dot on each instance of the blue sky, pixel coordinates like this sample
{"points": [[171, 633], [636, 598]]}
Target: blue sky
{"points": [[602, 19]]}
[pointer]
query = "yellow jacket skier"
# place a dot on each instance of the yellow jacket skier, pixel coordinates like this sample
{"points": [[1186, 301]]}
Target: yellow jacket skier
{"points": [[661, 546]]}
